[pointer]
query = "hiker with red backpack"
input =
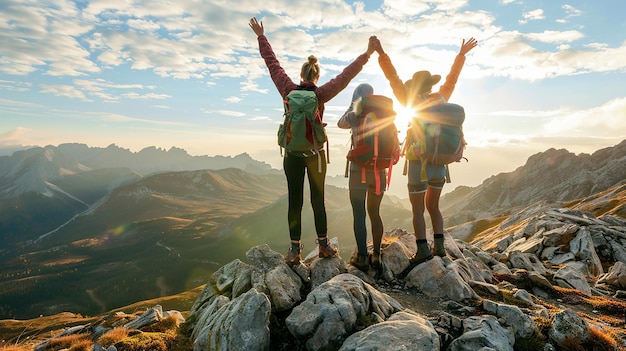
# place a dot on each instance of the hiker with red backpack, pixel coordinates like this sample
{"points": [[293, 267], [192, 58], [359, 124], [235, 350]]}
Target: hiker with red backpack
{"points": [[426, 174], [302, 159], [374, 150]]}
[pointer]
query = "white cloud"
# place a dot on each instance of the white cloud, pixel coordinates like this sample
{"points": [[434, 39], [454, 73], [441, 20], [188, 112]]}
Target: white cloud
{"points": [[260, 118], [233, 99], [99, 88], [134, 95], [13, 85], [570, 11], [13, 137], [600, 123], [552, 36], [509, 54], [225, 113], [593, 122], [115, 117], [63, 90], [533, 15], [402, 8]]}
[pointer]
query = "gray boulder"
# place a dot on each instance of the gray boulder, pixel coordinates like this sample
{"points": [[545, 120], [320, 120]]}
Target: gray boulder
{"points": [[436, 280], [568, 326], [151, 315], [483, 333], [271, 276], [332, 311], [403, 331], [527, 261], [570, 277], [616, 276], [242, 324]]}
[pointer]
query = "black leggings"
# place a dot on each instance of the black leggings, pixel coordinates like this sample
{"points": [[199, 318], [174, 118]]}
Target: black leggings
{"points": [[295, 167], [362, 200]]}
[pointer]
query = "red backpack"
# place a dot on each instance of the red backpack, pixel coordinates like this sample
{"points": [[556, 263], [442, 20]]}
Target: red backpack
{"points": [[377, 145]]}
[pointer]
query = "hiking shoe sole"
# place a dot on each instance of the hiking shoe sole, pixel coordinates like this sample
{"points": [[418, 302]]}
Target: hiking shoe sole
{"points": [[327, 251]]}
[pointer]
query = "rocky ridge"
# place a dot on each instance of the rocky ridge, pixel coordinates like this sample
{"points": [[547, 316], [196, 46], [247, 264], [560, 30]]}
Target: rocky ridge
{"points": [[556, 283]]}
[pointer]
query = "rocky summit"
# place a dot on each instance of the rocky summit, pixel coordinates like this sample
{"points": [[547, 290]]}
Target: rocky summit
{"points": [[545, 288], [556, 281]]}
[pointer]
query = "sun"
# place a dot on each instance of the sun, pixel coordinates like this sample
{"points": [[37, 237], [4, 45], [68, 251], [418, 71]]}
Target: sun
{"points": [[403, 116]]}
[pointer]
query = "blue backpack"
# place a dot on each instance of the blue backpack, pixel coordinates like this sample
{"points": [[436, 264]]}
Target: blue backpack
{"points": [[436, 135]]}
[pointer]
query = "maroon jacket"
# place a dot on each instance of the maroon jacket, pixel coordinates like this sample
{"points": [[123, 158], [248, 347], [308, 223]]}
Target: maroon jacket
{"points": [[324, 92]]}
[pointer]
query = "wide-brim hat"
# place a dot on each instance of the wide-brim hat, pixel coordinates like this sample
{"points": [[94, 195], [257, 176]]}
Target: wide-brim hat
{"points": [[422, 81]]}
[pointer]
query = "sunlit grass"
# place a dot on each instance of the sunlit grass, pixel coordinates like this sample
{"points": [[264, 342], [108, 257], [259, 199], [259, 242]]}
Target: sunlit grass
{"points": [[15, 348], [113, 336], [68, 341]]}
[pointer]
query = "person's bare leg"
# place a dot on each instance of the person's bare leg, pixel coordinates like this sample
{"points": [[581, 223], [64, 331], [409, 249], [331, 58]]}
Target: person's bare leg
{"points": [[436, 218], [419, 226]]}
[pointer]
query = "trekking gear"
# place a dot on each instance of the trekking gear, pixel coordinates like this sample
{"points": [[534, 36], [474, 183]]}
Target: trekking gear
{"points": [[360, 261], [423, 253], [325, 248], [302, 132], [294, 255], [439, 249], [377, 146], [436, 136]]}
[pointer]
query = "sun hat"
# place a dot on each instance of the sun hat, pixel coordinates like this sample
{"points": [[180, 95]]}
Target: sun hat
{"points": [[422, 81]]}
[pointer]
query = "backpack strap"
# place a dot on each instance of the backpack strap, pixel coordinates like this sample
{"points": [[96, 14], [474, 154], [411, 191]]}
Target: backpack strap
{"points": [[347, 156], [286, 105], [405, 145], [389, 174]]}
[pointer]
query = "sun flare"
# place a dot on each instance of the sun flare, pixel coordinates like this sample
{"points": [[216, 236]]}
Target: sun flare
{"points": [[403, 116]]}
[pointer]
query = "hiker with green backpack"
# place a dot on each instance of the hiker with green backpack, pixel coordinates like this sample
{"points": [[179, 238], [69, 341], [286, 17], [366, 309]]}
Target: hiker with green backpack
{"points": [[374, 150], [302, 135], [427, 166]]}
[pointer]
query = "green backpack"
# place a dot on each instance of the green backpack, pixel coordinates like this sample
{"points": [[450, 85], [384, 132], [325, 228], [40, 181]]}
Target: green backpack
{"points": [[302, 131]]}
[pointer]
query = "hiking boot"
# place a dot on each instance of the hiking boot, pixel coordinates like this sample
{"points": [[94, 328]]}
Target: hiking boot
{"points": [[360, 261], [417, 258], [439, 249], [422, 255], [326, 249], [293, 256], [375, 260]]}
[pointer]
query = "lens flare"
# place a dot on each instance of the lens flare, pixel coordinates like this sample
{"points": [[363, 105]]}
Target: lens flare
{"points": [[117, 231], [403, 117]]}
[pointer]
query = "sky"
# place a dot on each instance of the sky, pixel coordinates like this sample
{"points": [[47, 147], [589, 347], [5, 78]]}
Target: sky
{"points": [[188, 73]]}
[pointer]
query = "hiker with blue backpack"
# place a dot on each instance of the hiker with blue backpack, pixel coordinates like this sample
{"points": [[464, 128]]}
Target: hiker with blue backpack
{"points": [[302, 135], [374, 150], [427, 169]]}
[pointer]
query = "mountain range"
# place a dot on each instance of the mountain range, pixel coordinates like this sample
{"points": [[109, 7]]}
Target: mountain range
{"points": [[89, 229]]}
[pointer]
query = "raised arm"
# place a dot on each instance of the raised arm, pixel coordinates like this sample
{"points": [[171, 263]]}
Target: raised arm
{"points": [[467, 46], [397, 86], [448, 86], [257, 26], [333, 87], [281, 79]]}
